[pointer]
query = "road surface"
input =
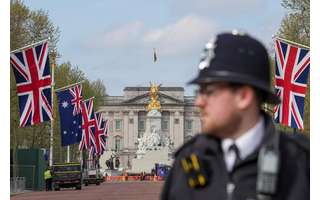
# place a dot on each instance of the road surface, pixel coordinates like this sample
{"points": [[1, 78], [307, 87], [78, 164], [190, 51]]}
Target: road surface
{"points": [[145, 190]]}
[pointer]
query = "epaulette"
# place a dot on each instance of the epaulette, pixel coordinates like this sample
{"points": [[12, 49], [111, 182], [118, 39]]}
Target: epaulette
{"points": [[187, 144], [300, 140], [196, 170]]}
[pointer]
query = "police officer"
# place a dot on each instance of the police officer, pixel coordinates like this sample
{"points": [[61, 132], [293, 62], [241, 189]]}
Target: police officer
{"points": [[240, 155], [48, 179]]}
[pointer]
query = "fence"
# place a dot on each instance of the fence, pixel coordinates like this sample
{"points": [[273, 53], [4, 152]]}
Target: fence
{"points": [[17, 184], [29, 163], [28, 173], [133, 178]]}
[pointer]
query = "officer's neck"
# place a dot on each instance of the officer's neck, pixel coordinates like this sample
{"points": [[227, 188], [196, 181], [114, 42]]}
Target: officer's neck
{"points": [[247, 121]]}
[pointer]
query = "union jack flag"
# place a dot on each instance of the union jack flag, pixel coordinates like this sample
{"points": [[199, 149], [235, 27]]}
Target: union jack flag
{"points": [[32, 73], [100, 134], [88, 124], [291, 75], [76, 93]]}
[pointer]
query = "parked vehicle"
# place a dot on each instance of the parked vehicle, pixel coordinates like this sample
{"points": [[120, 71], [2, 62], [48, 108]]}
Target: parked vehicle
{"points": [[92, 176], [66, 175], [162, 170]]}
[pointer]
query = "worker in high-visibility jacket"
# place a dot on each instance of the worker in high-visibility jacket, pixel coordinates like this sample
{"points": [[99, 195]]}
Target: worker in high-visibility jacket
{"points": [[48, 179]]}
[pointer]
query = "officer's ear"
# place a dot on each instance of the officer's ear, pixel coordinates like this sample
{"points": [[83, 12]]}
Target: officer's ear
{"points": [[245, 97]]}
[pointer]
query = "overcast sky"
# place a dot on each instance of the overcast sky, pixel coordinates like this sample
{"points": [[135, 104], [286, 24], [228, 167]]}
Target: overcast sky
{"points": [[114, 40]]}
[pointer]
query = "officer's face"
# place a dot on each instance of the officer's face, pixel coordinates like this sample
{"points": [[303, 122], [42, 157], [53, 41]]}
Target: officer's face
{"points": [[219, 109]]}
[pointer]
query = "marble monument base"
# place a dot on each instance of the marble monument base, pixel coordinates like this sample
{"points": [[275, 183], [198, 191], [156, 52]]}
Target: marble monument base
{"points": [[149, 159]]}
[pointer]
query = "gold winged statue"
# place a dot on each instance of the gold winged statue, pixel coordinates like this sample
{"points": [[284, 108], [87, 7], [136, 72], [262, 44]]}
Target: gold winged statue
{"points": [[154, 103]]}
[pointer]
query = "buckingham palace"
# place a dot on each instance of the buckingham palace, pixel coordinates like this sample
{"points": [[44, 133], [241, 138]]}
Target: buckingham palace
{"points": [[127, 120]]}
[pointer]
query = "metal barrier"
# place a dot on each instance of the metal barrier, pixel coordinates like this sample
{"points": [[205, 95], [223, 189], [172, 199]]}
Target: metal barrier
{"points": [[28, 172], [17, 184]]}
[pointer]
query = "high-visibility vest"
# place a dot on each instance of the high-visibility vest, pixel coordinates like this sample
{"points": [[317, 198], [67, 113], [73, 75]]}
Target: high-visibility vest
{"points": [[47, 174]]}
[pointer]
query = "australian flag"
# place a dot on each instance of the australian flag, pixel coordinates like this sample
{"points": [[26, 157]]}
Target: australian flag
{"points": [[70, 115]]}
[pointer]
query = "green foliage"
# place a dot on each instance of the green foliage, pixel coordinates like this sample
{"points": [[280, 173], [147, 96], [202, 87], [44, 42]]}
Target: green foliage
{"points": [[27, 26], [296, 24], [66, 74]]}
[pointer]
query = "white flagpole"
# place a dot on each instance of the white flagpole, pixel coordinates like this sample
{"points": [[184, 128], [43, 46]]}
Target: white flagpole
{"points": [[68, 153], [31, 45], [81, 160], [292, 42], [52, 121], [68, 86]]}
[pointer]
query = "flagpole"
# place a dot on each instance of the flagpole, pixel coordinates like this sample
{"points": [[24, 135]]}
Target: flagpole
{"points": [[30, 45], [291, 42], [68, 86], [68, 153], [52, 121], [89, 99], [81, 160], [154, 55]]}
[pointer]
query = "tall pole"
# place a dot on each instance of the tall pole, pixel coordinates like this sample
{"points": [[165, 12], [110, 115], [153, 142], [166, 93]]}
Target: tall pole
{"points": [[81, 160], [68, 153], [52, 121]]}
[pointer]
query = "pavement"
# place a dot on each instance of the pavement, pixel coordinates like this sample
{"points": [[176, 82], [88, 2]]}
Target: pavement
{"points": [[140, 190]]}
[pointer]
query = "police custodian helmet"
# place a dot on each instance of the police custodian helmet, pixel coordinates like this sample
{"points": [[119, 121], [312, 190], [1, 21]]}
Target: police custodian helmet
{"points": [[237, 58]]}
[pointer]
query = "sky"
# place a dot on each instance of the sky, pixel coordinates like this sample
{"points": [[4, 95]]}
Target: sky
{"points": [[114, 40]]}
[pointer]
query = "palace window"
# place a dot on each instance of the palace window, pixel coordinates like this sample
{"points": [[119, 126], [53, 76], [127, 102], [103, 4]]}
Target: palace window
{"points": [[188, 124], [141, 125], [117, 143], [118, 124], [110, 126], [164, 124], [165, 119]]}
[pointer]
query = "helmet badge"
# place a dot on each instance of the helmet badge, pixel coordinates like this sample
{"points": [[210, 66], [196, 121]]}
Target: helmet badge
{"points": [[207, 55]]}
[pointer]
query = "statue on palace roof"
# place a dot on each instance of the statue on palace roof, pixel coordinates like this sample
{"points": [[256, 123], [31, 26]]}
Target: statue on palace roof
{"points": [[154, 103]]}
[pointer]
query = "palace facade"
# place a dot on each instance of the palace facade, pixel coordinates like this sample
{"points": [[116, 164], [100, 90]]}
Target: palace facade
{"points": [[126, 115]]}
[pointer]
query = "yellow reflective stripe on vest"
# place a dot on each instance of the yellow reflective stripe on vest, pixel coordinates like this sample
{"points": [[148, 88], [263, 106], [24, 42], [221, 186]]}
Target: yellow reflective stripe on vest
{"points": [[47, 174]]}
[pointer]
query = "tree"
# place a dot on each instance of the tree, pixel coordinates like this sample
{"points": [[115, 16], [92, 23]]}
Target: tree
{"points": [[66, 74], [27, 26], [295, 26]]}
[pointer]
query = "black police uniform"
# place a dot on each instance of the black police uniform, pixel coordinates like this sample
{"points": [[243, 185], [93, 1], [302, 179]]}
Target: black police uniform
{"points": [[240, 183], [199, 170]]}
